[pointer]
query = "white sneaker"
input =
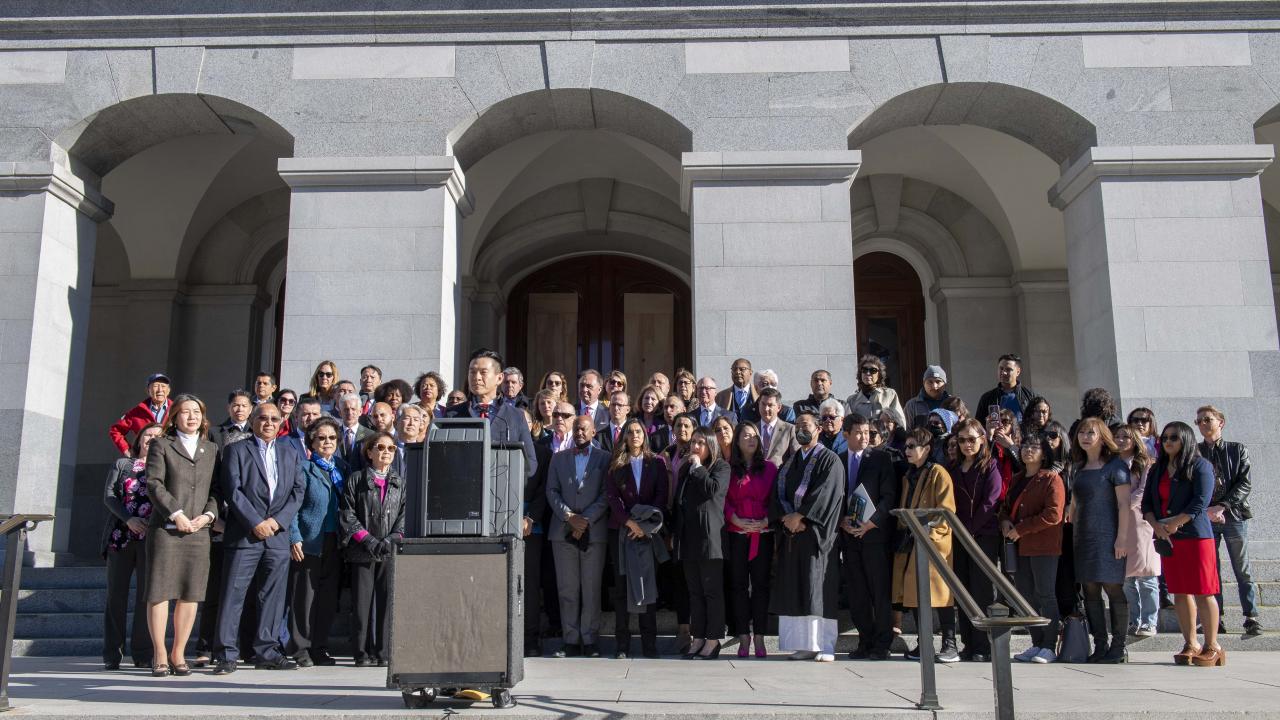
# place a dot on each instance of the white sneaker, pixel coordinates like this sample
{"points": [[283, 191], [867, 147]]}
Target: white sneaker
{"points": [[825, 657], [1026, 655], [1145, 631], [1045, 656]]}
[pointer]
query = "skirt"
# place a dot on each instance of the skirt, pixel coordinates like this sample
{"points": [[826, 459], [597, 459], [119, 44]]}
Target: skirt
{"points": [[178, 565], [1192, 569]]}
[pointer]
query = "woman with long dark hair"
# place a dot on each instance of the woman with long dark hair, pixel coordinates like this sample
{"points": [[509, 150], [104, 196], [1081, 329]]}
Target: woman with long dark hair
{"points": [[637, 478], [699, 519], [978, 491], [1100, 511], [1179, 490], [1031, 516], [749, 550]]}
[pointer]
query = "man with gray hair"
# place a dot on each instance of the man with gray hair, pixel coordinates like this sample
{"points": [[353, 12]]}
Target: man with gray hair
{"points": [[513, 388], [769, 378], [353, 434]]}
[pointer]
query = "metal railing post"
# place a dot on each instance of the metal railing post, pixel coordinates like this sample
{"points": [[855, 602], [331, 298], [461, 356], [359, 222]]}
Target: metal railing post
{"points": [[14, 547], [924, 631], [1002, 673]]}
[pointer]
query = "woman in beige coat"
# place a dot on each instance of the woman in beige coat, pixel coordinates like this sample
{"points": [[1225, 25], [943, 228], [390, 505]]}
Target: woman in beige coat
{"points": [[926, 485]]}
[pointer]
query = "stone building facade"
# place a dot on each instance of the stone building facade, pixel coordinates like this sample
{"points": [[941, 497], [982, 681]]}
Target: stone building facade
{"points": [[213, 190]]}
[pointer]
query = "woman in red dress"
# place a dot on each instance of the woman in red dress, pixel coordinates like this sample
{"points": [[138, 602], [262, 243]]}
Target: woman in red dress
{"points": [[1179, 489]]}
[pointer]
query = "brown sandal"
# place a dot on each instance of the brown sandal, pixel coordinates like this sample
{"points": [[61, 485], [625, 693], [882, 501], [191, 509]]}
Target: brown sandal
{"points": [[1189, 650], [1210, 657]]}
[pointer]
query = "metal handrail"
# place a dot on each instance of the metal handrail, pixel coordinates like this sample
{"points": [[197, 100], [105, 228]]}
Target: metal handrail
{"points": [[15, 529], [997, 626]]}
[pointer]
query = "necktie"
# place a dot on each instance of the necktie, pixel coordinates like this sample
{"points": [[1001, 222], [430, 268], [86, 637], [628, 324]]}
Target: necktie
{"points": [[351, 439], [616, 432], [855, 462], [484, 410], [766, 436]]}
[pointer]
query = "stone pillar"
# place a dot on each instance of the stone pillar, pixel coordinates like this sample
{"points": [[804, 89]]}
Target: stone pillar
{"points": [[48, 225], [772, 264], [1047, 350], [1171, 299], [372, 272], [977, 323]]}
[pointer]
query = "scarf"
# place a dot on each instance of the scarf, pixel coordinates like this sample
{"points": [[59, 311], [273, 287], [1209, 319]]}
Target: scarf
{"points": [[330, 467]]}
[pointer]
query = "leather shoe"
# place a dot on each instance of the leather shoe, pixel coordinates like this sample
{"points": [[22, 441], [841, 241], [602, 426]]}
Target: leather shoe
{"points": [[113, 665], [324, 659], [591, 650], [979, 657], [878, 655], [224, 667], [280, 663], [861, 653], [304, 660], [364, 661]]}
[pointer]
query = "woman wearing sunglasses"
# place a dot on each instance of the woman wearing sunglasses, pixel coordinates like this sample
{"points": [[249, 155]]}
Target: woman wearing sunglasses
{"points": [[1179, 489], [874, 396]]}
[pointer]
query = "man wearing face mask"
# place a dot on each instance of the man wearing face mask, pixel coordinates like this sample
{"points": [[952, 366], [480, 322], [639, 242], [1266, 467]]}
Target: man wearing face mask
{"points": [[807, 503], [579, 537]]}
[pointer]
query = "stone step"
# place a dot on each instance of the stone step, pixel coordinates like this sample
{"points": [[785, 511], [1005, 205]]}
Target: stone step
{"points": [[64, 577]]}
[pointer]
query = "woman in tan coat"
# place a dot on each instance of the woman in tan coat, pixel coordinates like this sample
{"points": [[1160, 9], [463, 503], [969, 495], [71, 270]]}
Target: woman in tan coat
{"points": [[926, 485], [180, 484]]}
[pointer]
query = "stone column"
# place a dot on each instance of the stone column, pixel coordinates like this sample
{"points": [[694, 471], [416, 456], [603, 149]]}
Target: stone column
{"points": [[1171, 299], [977, 323], [772, 264], [372, 272], [48, 225], [1048, 353]]}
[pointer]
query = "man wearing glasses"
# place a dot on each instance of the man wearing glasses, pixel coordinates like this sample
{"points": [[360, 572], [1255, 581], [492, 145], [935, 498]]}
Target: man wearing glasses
{"points": [[1229, 510], [706, 410]]}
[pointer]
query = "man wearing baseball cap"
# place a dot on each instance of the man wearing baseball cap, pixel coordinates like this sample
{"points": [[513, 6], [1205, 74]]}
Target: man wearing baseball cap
{"points": [[154, 409]]}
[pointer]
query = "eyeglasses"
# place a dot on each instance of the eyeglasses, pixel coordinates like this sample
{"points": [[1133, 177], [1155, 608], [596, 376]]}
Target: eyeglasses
{"points": [[870, 371], [269, 419], [562, 415], [1141, 418], [323, 438], [1203, 420], [830, 418], [555, 383], [967, 439], [324, 373], [385, 448], [707, 388], [911, 446], [286, 401], [1170, 438], [873, 433]]}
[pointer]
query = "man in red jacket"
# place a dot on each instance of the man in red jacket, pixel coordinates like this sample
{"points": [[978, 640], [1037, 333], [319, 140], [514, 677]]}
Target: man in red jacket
{"points": [[154, 409]]}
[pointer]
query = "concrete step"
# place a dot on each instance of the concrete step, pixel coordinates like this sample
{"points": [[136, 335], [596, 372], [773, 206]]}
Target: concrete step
{"points": [[64, 577]]}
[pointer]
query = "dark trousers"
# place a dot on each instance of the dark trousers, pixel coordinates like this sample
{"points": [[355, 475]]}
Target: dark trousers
{"points": [[269, 567], [979, 586], [313, 598], [1036, 579], [369, 593], [550, 591], [867, 571], [122, 565], [705, 579], [622, 615], [673, 589], [748, 583], [533, 589]]}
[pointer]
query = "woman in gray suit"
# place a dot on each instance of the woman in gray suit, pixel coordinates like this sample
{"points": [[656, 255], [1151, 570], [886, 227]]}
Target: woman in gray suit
{"points": [[180, 468]]}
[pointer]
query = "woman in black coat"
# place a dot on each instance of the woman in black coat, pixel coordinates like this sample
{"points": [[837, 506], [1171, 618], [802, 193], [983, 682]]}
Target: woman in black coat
{"points": [[124, 547], [372, 519], [699, 520]]}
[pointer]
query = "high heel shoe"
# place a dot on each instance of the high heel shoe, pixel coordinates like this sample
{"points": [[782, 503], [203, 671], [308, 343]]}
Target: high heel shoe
{"points": [[1210, 657], [744, 646], [712, 655], [1189, 650], [761, 651], [694, 648]]}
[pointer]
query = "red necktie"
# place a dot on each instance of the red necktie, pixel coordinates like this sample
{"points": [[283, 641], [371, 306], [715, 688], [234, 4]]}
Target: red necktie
{"points": [[616, 433], [484, 410]]}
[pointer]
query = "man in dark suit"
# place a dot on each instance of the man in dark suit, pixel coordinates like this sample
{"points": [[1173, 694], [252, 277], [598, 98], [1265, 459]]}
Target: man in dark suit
{"points": [[619, 409], [262, 484], [589, 387], [777, 436], [579, 537], [740, 397], [704, 404], [864, 545], [507, 423], [353, 433]]}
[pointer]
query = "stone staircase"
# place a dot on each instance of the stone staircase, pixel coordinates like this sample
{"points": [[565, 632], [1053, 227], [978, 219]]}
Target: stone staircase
{"points": [[60, 614]]}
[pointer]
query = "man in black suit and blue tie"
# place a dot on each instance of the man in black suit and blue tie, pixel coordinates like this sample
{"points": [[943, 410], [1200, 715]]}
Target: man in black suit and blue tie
{"points": [[262, 484]]}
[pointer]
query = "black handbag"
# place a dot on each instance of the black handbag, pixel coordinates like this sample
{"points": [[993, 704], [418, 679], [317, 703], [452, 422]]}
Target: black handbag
{"points": [[1009, 558], [1164, 548], [1075, 640]]}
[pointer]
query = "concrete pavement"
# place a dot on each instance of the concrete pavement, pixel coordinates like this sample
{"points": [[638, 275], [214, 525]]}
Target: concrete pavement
{"points": [[76, 689]]}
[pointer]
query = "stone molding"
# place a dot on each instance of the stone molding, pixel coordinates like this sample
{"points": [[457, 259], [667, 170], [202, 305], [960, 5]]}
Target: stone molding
{"points": [[1156, 160], [953, 288], [766, 167], [423, 170], [58, 181], [119, 22], [1032, 282]]}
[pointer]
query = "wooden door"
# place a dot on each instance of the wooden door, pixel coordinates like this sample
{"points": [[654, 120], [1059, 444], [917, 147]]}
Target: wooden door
{"points": [[890, 317], [630, 316]]}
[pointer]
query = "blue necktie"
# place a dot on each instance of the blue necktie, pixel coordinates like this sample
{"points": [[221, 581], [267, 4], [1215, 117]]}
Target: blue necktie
{"points": [[855, 462]]}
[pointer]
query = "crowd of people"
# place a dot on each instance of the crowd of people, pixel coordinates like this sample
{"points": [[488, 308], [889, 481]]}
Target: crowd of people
{"points": [[727, 506]]}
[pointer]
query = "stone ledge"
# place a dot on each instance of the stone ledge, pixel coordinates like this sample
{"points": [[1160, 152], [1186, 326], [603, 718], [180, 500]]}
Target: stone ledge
{"points": [[765, 165], [1148, 160], [31, 177], [336, 172]]}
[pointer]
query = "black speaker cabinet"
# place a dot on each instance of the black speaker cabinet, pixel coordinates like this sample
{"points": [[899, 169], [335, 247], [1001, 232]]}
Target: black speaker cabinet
{"points": [[457, 613], [460, 483]]}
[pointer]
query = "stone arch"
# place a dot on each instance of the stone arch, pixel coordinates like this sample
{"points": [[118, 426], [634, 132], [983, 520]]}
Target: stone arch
{"points": [[919, 262], [1036, 119]]}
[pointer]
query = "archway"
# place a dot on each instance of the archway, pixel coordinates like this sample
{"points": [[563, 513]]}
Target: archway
{"points": [[606, 312], [891, 317]]}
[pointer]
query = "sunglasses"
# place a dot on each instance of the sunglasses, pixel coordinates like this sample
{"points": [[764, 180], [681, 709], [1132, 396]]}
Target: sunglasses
{"points": [[286, 401], [1170, 438], [324, 373], [1141, 419], [269, 419], [322, 438], [967, 439], [911, 446], [385, 448], [874, 433], [870, 371], [562, 416]]}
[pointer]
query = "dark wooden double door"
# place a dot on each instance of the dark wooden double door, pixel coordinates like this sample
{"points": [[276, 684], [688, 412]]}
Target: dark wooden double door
{"points": [[600, 311], [890, 318]]}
